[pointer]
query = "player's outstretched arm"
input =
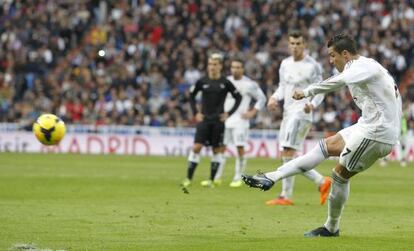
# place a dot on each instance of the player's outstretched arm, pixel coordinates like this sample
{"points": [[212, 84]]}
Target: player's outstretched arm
{"points": [[353, 75], [328, 85]]}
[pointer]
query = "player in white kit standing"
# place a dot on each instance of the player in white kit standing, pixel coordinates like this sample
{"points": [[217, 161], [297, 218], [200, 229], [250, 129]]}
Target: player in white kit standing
{"points": [[297, 72], [374, 91], [237, 125]]}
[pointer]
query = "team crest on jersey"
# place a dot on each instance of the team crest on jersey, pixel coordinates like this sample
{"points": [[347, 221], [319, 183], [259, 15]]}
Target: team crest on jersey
{"points": [[222, 86], [205, 86]]}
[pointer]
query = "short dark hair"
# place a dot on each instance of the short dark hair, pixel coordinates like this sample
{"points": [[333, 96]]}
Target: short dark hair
{"points": [[238, 60], [343, 42], [296, 34]]}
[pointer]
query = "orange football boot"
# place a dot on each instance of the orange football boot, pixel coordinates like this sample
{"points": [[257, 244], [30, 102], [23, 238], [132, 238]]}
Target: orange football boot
{"points": [[281, 201], [324, 189]]}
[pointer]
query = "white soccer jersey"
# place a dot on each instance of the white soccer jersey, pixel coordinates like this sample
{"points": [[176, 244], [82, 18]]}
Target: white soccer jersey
{"points": [[248, 89], [374, 92], [295, 75]]}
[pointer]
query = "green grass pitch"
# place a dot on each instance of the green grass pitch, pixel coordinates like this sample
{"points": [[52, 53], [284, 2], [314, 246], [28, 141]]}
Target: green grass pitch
{"points": [[85, 202]]}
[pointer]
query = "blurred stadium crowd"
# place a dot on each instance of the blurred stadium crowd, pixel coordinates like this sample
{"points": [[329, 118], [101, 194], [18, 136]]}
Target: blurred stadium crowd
{"points": [[132, 62]]}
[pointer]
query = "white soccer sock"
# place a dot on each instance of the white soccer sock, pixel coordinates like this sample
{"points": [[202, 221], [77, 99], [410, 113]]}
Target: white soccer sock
{"points": [[215, 164], [337, 199], [287, 187], [219, 173], [194, 157], [239, 167], [314, 176], [287, 183], [216, 158], [301, 164]]}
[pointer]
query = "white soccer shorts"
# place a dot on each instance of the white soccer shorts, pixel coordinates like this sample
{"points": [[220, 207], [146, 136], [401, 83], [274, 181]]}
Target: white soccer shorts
{"points": [[236, 136], [293, 132], [359, 152]]}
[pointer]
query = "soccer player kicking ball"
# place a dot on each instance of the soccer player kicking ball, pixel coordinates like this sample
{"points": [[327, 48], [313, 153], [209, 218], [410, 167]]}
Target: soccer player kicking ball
{"points": [[237, 125], [297, 71], [358, 146], [210, 129]]}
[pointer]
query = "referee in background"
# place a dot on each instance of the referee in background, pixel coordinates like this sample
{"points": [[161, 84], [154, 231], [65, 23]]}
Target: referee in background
{"points": [[210, 128]]}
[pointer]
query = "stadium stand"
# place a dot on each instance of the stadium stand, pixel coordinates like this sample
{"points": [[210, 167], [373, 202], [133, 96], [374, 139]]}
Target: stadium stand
{"points": [[132, 62]]}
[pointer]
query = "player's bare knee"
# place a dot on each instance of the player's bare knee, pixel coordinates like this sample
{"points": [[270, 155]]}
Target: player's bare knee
{"points": [[288, 152], [335, 144], [342, 172], [217, 150], [197, 148], [240, 151]]}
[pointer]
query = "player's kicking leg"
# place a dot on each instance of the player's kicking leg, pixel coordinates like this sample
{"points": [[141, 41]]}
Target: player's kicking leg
{"points": [[301, 164], [258, 181], [331, 146]]}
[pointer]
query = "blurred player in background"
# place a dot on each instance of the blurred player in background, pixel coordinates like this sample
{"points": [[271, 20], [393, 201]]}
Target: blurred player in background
{"points": [[210, 128], [238, 124], [402, 145], [374, 91], [297, 71]]}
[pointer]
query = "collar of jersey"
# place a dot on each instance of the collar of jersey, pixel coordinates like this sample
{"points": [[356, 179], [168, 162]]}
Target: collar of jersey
{"points": [[347, 65]]}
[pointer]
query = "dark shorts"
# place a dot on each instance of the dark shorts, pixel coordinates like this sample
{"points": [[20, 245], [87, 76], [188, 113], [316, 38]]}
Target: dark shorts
{"points": [[210, 133]]}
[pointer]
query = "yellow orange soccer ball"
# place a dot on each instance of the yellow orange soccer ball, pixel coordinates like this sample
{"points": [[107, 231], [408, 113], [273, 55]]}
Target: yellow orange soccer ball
{"points": [[49, 129]]}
